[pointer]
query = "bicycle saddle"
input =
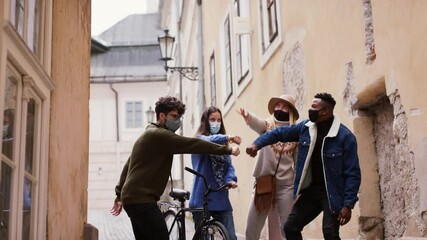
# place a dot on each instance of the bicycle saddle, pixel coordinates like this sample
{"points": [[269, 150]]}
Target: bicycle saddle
{"points": [[179, 194]]}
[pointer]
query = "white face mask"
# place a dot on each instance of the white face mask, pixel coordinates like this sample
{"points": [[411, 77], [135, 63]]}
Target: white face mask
{"points": [[215, 127]]}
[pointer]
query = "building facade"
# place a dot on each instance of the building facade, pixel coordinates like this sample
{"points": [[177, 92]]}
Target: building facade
{"points": [[183, 20], [44, 89], [368, 54], [127, 79]]}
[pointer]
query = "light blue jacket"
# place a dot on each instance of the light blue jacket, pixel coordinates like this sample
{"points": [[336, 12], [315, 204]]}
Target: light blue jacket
{"points": [[219, 201], [339, 158]]}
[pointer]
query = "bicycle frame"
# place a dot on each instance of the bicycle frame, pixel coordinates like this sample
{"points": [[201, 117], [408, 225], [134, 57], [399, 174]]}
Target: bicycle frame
{"points": [[179, 217], [180, 221], [206, 219]]}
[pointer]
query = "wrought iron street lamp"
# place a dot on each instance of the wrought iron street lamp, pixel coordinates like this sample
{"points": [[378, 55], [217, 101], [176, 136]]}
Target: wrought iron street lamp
{"points": [[150, 115], [166, 49]]}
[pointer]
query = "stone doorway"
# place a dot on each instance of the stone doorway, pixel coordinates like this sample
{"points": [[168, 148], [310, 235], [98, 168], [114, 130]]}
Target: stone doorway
{"points": [[389, 196]]}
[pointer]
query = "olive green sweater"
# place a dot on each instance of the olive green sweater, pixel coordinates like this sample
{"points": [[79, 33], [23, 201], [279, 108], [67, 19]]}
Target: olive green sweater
{"points": [[145, 174]]}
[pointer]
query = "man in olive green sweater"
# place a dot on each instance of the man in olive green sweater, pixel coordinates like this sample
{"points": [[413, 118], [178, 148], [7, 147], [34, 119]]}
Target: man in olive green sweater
{"points": [[145, 174]]}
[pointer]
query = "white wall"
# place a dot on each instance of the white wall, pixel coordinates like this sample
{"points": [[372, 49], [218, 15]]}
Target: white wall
{"points": [[106, 155]]}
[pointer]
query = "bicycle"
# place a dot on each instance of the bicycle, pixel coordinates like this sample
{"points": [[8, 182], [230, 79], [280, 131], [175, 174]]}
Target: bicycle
{"points": [[174, 214]]}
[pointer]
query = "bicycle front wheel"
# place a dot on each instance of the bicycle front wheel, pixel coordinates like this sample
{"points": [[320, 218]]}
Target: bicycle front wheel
{"points": [[172, 225], [214, 230]]}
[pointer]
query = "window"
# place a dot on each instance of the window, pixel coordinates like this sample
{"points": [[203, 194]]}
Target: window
{"points": [[25, 17], [236, 53], [269, 25], [272, 20], [30, 180], [238, 44], [241, 9], [21, 159], [228, 70], [9, 157], [133, 114], [268, 22], [24, 100], [212, 78]]}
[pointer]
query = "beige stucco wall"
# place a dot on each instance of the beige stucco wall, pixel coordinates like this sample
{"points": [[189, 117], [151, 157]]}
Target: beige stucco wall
{"points": [[331, 35], [69, 130], [401, 54], [399, 30], [2, 66], [254, 98]]}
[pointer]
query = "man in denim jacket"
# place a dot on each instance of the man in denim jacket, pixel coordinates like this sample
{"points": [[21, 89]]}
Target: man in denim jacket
{"points": [[327, 172]]}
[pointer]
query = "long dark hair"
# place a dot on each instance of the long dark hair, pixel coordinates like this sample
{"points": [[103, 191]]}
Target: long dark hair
{"points": [[204, 128]]}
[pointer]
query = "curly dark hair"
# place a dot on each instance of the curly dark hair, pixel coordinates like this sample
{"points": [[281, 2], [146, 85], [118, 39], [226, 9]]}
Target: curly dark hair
{"points": [[168, 104], [204, 128], [326, 97]]}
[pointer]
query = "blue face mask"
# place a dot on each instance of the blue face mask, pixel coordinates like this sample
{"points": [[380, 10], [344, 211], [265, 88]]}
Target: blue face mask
{"points": [[173, 125], [215, 127]]}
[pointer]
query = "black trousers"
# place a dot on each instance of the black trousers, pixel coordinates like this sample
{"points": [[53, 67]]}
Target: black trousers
{"points": [[147, 221], [310, 204]]}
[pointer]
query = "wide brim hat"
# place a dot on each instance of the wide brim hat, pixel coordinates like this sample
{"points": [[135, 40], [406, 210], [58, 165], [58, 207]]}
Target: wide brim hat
{"points": [[283, 98]]}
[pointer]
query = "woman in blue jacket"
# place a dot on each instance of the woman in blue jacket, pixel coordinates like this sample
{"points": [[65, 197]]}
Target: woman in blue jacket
{"points": [[218, 170]]}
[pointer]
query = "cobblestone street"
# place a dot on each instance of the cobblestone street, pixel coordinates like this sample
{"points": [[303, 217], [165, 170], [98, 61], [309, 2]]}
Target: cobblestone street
{"points": [[119, 228], [111, 227]]}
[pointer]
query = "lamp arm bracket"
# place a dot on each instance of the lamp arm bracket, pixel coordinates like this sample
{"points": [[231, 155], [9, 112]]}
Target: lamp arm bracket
{"points": [[191, 73]]}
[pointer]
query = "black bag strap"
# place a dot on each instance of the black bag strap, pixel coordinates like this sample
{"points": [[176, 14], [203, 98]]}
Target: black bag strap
{"points": [[280, 158]]}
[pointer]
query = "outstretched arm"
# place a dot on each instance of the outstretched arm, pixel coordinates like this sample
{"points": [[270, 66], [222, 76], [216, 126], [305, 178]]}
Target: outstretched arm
{"points": [[255, 123], [244, 114], [234, 139], [252, 150], [282, 134], [221, 138], [179, 144]]}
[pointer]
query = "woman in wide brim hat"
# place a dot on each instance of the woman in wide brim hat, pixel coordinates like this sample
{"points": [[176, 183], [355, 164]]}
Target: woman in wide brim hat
{"points": [[281, 156], [289, 100]]}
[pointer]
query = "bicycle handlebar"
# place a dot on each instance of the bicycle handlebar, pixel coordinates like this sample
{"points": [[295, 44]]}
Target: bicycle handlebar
{"points": [[205, 181], [194, 172]]}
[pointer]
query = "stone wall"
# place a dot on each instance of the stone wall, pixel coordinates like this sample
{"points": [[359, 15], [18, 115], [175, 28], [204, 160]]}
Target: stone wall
{"points": [[398, 188]]}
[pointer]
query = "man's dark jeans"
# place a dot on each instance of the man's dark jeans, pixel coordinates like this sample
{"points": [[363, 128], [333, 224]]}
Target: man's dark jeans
{"points": [[310, 204], [147, 221]]}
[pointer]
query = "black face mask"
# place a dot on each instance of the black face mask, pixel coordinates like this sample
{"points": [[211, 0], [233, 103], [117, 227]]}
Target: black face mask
{"points": [[313, 115], [281, 115]]}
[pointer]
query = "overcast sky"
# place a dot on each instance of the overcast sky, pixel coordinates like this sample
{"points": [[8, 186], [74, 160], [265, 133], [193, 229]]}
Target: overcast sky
{"points": [[106, 13]]}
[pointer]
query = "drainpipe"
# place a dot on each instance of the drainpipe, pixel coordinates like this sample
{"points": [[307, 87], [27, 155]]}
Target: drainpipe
{"points": [[116, 96], [178, 40], [200, 56]]}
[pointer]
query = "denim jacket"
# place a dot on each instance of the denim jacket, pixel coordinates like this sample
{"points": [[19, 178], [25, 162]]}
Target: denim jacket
{"points": [[339, 158]]}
